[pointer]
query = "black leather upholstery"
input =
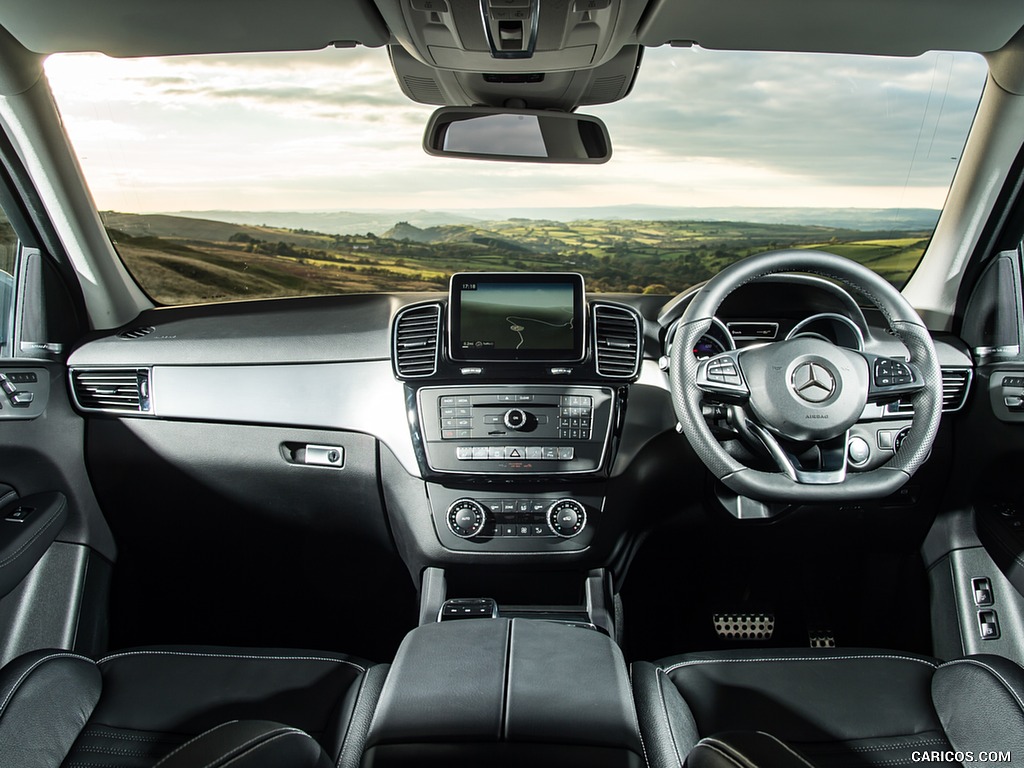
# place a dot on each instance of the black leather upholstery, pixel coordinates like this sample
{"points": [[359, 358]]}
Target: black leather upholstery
{"points": [[249, 744], [850, 708], [131, 709], [980, 701], [45, 699], [744, 749]]}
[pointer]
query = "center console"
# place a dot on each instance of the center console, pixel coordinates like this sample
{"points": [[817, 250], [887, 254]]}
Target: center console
{"points": [[515, 389], [515, 692]]}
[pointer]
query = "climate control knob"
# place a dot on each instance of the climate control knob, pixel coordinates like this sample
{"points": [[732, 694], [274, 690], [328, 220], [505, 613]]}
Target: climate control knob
{"points": [[566, 518], [466, 518]]}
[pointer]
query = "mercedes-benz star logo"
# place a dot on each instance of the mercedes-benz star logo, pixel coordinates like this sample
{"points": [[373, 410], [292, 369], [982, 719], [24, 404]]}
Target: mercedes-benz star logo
{"points": [[813, 382]]}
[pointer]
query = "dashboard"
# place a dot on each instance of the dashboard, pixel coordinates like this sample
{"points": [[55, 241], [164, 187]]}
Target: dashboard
{"points": [[514, 417]]}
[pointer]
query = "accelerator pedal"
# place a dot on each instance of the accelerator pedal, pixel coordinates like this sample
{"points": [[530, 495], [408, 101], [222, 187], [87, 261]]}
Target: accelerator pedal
{"points": [[821, 638], [744, 626]]}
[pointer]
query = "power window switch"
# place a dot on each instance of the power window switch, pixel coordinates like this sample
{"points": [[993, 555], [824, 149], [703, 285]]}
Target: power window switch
{"points": [[19, 514], [982, 592], [988, 625]]}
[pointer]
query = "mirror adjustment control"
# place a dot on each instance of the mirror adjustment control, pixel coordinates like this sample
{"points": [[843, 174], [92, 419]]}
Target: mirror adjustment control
{"points": [[566, 518], [466, 518]]}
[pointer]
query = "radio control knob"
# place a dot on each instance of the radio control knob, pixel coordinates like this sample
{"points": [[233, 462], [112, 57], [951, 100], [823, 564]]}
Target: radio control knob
{"points": [[466, 518], [566, 518], [515, 418]]}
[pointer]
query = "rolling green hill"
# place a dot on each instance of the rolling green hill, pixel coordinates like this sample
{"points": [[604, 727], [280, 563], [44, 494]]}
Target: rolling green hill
{"points": [[185, 260]]}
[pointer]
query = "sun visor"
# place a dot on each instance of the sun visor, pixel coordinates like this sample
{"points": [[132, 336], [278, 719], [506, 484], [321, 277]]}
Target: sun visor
{"points": [[166, 27], [885, 27]]}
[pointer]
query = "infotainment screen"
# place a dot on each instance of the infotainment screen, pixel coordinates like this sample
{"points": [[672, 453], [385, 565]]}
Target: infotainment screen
{"points": [[515, 316]]}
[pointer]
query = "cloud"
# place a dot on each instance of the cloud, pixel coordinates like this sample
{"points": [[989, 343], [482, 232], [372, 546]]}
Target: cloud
{"points": [[331, 129], [851, 120]]}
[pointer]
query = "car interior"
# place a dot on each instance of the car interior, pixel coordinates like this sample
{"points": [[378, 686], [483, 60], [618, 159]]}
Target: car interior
{"points": [[768, 511]]}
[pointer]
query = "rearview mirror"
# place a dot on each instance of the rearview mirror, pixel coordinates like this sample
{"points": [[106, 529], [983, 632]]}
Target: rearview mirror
{"points": [[517, 135]]}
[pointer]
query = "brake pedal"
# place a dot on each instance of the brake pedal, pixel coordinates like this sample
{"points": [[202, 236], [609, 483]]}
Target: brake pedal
{"points": [[744, 626]]}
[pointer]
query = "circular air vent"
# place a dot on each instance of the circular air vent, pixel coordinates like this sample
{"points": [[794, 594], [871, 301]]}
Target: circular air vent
{"points": [[136, 333]]}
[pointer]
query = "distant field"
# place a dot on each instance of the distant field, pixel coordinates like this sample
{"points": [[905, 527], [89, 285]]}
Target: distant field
{"points": [[182, 261]]}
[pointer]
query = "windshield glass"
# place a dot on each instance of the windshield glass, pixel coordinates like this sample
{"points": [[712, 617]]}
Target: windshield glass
{"points": [[247, 176]]}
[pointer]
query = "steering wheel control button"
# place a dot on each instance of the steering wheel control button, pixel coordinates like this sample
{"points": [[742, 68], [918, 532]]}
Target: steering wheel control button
{"points": [[466, 518], [892, 373], [566, 518], [859, 451], [897, 441], [724, 370], [813, 382]]}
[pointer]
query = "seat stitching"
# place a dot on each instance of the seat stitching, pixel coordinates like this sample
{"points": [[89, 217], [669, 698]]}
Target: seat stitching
{"points": [[105, 659], [843, 747], [716, 746], [194, 739], [791, 751], [994, 672], [668, 722], [636, 719], [260, 745], [906, 745], [802, 658], [21, 550], [112, 751], [33, 668], [94, 731]]}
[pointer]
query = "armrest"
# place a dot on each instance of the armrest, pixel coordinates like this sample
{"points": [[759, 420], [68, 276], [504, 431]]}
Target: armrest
{"points": [[505, 692], [27, 528]]}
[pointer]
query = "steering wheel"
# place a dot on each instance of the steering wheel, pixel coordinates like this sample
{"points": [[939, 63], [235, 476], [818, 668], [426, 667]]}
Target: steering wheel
{"points": [[802, 395]]}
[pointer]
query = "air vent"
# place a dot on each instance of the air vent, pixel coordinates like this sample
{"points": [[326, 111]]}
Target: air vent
{"points": [[136, 333], [417, 332], [120, 390], [616, 341], [956, 383]]}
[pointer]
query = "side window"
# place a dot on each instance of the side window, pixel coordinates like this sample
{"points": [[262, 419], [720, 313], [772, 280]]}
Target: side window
{"points": [[8, 269]]}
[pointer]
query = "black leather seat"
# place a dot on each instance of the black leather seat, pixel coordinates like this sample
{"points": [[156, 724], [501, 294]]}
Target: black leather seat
{"points": [[134, 708], [845, 709]]}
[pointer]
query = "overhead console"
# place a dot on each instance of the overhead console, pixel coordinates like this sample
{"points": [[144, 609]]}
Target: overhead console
{"points": [[514, 386], [512, 35]]}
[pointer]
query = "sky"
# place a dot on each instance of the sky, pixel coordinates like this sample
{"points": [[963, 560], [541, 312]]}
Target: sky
{"points": [[331, 130]]}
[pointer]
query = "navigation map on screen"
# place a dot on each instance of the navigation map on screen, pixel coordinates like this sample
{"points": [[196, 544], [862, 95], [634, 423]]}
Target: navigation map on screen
{"points": [[517, 316]]}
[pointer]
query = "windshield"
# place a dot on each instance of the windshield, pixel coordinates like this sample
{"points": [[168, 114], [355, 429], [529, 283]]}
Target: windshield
{"points": [[261, 175]]}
